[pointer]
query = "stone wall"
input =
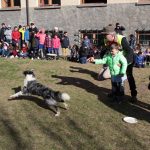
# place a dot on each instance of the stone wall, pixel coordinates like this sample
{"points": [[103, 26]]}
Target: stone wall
{"points": [[72, 18]]}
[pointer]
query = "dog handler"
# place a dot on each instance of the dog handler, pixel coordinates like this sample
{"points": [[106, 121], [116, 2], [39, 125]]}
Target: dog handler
{"points": [[112, 37]]}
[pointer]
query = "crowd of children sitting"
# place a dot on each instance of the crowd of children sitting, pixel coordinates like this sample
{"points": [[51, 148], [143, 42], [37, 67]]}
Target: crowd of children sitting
{"points": [[142, 56]]}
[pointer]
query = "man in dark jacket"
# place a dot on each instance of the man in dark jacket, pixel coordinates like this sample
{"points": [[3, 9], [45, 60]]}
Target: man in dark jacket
{"points": [[65, 43], [119, 29], [2, 31]]}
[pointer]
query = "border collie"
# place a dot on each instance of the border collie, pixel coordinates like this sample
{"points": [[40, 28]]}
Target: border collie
{"points": [[51, 97]]}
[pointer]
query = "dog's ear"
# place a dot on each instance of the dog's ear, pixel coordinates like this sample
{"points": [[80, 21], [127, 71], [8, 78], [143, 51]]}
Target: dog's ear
{"points": [[25, 72], [29, 72]]}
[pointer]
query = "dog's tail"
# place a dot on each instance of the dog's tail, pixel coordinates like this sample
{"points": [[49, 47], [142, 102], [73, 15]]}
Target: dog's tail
{"points": [[65, 96]]}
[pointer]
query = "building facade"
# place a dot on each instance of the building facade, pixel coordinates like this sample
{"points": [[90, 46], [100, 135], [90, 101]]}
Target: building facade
{"points": [[78, 15]]}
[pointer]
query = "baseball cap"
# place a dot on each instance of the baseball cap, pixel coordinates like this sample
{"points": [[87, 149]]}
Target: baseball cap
{"points": [[108, 29]]}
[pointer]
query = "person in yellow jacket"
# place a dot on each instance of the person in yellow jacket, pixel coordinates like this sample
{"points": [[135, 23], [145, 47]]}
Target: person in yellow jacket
{"points": [[112, 37], [22, 31]]}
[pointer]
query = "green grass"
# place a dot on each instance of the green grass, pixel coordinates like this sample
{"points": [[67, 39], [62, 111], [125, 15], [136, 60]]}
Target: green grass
{"points": [[91, 123]]}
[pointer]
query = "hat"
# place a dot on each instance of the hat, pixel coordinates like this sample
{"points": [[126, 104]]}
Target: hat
{"points": [[56, 28], [6, 43], [9, 26], [108, 29]]}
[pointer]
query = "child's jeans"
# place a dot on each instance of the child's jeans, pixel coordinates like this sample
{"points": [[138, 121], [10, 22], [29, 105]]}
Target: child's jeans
{"points": [[118, 86], [83, 60], [5, 53], [50, 50], [56, 51], [1, 51]]}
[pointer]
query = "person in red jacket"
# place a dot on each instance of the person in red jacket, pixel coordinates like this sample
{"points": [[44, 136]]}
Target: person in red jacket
{"points": [[24, 51], [15, 36]]}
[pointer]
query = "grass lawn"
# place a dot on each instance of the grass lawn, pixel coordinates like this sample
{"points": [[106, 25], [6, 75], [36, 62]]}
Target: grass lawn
{"points": [[91, 123]]}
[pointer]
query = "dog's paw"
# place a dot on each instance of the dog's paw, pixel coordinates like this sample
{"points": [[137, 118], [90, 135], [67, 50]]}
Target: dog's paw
{"points": [[57, 114], [11, 97], [66, 106]]}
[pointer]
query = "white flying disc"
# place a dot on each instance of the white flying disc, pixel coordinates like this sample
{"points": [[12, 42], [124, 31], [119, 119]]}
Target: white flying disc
{"points": [[130, 120]]}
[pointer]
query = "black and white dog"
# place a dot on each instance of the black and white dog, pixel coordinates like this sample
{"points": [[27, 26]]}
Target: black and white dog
{"points": [[51, 98]]}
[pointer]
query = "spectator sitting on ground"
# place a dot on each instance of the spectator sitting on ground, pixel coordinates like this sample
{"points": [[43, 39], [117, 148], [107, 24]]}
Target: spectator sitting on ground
{"points": [[5, 52], [24, 51], [11, 48], [139, 60], [83, 53], [146, 54], [1, 47], [15, 51], [74, 56]]}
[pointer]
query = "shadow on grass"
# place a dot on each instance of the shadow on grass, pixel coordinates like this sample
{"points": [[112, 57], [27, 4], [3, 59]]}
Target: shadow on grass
{"points": [[135, 110], [10, 130], [93, 74]]}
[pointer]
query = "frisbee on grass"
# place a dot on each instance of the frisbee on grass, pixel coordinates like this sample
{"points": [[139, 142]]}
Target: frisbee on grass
{"points": [[130, 120]]}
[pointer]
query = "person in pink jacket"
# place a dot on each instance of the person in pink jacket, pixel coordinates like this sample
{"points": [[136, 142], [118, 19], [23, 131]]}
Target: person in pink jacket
{"points": [[41, 35], [56, 44]]}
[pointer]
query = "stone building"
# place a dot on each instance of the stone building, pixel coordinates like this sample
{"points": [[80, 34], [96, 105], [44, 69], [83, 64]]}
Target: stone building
{"points": [[80, 16]]}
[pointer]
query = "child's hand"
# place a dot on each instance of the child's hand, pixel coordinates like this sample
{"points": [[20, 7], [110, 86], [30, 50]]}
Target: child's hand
{"points": [[91, 59], [119, 65]]}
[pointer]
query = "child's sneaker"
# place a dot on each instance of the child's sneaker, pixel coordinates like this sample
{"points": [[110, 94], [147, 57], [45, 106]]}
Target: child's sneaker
{"points": [[119, 99], [114, 99], [110, 95]]}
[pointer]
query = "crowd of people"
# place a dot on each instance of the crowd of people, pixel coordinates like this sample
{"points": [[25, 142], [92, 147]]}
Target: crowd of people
{"points": [[29, 41]]}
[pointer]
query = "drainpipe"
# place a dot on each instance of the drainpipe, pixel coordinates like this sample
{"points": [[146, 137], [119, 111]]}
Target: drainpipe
{"points": [[27, 11]]}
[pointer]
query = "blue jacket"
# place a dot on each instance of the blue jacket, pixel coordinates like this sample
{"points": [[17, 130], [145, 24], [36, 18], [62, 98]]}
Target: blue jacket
{"points": [[26, 35], [139, 59]]}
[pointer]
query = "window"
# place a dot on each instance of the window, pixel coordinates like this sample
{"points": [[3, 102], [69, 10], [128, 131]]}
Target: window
{"points": [[143, 2], [95, 36], [143, 37], [49, 2], [93, 1], [10, 3]]}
